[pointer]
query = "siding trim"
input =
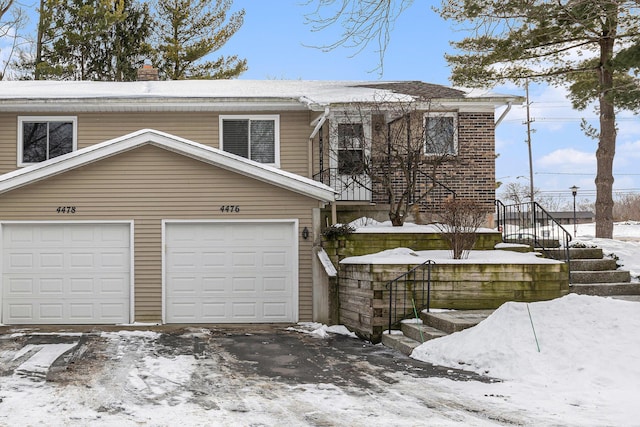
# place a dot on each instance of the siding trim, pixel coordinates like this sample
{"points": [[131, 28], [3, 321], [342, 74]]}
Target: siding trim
{"points": [[132, 304]]}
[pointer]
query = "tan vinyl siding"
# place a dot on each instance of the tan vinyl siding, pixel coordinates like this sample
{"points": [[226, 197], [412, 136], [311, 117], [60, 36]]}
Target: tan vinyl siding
{"points": [[149, 184], [201, 127], [8, 142]]}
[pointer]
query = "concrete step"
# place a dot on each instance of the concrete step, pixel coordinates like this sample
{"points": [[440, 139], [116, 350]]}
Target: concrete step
{"points": [[399, 342], [454, 321], [609, 276], [633, 298], [420, 332], [576, 253], [593, 264], [606, 289]]}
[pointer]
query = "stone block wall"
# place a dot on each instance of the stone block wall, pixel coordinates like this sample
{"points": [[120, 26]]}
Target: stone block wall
{"points": [[364, 297], [357, 244]]}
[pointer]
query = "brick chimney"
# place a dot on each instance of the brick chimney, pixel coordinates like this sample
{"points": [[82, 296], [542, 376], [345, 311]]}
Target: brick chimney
{"points": [[147, 73]]}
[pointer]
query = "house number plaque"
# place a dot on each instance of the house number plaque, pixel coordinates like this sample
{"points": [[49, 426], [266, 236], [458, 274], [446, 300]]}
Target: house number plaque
{"points": [[229, 208], [66, 209]]}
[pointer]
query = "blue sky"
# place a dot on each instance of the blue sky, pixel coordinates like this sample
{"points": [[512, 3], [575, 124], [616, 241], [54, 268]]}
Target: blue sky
{"points": [[274, 39]]}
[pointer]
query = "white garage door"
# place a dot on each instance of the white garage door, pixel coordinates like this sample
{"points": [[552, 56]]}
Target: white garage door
{"points": [[65, 273], [231, 272]]}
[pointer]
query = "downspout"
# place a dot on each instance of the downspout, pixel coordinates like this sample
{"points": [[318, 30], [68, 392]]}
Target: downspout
{"points": [[504, 114]]}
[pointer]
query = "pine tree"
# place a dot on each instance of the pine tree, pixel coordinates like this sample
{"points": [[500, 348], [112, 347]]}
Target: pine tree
{"points": [[188, 31], [91, 39]]}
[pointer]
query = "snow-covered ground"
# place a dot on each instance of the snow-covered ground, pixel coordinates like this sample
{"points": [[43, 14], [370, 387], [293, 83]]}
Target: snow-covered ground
{"points": [[572, 361]]}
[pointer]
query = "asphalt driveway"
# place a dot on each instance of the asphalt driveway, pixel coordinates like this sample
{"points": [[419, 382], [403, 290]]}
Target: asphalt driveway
{"points": [[215, 376]]}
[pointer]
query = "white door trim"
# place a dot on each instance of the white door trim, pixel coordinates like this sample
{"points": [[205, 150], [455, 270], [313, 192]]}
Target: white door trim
{"points": [[294, 222], [74, 222]]}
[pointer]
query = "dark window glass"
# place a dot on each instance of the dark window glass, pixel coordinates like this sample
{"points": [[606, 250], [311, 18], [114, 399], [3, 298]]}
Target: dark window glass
{"points": [[46, 140], [235, 137], [251, 139], [34, 142], [350, 148], [440, 135], [263, 141], [60, 138]]}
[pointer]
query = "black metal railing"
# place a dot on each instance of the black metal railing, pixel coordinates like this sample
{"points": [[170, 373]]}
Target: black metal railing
{"points": [[351, 188], [530, 224], [437, 185], [409, 293]]}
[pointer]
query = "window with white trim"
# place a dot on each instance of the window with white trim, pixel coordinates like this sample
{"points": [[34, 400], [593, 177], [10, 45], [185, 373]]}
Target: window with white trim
{"points": [[441, 134], [253, 137], [42, 138], [350, 148]]}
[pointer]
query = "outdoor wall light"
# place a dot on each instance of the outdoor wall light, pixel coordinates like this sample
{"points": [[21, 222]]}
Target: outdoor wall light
{"points": [[305, 233]]}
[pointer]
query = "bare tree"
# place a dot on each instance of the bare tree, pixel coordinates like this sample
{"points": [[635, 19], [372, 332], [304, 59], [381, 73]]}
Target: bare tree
{"points": [[518, 193], [12, 20], [362, 21], [627, 208], [459, 222], [394, 149]]}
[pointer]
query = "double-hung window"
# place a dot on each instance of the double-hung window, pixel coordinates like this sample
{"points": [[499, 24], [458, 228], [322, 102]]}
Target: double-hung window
{"points": [[253, 137], [43, 138], [350, 148], [441, 134]]}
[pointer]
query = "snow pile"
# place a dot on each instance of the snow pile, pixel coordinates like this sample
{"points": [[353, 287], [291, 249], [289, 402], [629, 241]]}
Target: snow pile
{"points": [[369, 225], [322, 331], [588, 354], [408, 256]]}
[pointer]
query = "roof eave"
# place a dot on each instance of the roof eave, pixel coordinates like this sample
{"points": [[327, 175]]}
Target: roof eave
{"points": [[149, 104]]}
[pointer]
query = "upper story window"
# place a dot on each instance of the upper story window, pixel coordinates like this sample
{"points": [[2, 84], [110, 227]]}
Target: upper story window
{"points": [[350, 140], [42, 138], [441, 134], [350, 148], [253, 137]]}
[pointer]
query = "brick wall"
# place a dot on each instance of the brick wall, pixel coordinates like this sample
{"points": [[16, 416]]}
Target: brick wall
{"points": [[470, 174]]}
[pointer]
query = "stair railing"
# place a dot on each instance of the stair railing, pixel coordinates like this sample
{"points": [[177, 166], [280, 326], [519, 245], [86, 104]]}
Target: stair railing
{"points": [[529, 223], [408, 292]]}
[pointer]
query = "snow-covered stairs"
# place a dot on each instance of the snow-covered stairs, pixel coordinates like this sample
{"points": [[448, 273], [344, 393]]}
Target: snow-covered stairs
{"points": [[433, 325], [593, 274]]}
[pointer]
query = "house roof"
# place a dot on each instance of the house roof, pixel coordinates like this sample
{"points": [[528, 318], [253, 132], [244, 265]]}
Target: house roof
{"points": [[213, 156], [226, 94]]}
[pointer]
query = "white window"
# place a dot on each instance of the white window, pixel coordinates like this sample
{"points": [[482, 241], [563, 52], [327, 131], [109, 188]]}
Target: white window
{"points": [[350, 148], [441, 134], [42, 138], [253, 137]]}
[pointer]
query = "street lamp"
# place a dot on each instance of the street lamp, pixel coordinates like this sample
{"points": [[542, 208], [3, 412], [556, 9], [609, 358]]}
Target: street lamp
{"points": [[574, 191]]}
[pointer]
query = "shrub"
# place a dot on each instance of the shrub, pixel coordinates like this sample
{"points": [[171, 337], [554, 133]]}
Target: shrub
{"points": [[460, 220], [337, 230]]}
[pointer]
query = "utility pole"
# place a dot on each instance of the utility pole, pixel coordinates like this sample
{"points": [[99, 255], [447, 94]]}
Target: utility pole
{"points": [[529, 131]]}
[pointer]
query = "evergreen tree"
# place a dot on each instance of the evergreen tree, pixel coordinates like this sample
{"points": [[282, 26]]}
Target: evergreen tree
{"points": [[591, 46], [188, 31], [91, 39]]}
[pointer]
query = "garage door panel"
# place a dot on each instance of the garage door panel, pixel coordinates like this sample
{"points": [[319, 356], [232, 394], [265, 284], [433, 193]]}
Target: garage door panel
{"points": [[214, 285], [252, 264], [275, 310], [66, 273]]}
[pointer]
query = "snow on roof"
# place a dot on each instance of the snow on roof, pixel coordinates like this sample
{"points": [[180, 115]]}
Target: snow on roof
{"points": [[305, 92]]}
